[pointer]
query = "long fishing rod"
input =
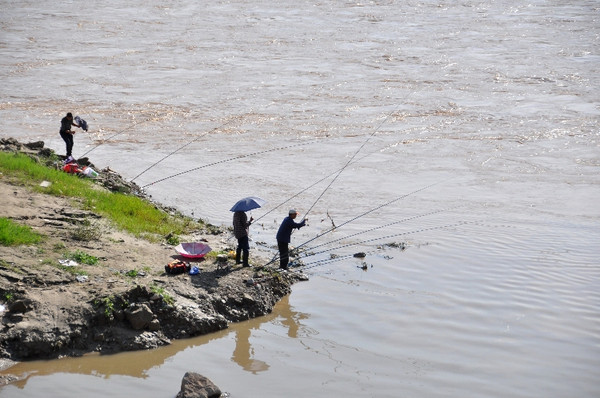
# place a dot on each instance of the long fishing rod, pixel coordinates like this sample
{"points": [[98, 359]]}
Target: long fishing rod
{"points": [[321, 180], [318, 182], [387, 237], [116, 134], [382, 226], [189, 143], [229, 160], [351, 159], [307, 188]]}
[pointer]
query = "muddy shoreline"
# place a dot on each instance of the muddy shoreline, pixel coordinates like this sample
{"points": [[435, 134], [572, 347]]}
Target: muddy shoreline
{"points": [[127, 302]]}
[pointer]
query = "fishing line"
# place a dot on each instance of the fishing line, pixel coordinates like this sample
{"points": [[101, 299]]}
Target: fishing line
{"points": [[229, 160], [388, 236], [325, 261], [180, 148], [382, 226]]}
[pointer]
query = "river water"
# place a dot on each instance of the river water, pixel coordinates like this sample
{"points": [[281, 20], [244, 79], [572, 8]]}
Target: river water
{"points": [[456, 143]]}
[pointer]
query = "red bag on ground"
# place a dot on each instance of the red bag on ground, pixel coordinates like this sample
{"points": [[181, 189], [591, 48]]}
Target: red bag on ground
{"points": [[71, 168]]}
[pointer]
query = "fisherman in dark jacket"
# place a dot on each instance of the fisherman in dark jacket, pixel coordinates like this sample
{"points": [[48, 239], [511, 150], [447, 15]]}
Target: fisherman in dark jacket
{"points": [[240, 230], [66, 133], [284, 236]]}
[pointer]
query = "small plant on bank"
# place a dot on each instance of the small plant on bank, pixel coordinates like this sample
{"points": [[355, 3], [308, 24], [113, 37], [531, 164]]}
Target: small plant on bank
{"points": [[11, 266], [8, 296], [132, 273], [212, 229], [71, 270], [83, 258], [172, 239], [211, 255], [214, 254], [168, 299], [109, 305]]}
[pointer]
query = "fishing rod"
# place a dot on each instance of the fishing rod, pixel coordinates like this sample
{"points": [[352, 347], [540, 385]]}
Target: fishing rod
{"points": [[116, 134], [370, 211], [189, 143], [229, 160], [352, 158], [362, 215], [382, 226], [319, 181], [307, 188]]}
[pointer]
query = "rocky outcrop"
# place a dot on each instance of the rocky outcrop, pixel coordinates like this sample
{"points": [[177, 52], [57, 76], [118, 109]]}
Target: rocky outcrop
{"points": [[131, 320]]}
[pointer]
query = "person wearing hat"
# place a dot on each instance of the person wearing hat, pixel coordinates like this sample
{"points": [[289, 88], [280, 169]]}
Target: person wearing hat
{"points": [[284, 235], [66, 133]]}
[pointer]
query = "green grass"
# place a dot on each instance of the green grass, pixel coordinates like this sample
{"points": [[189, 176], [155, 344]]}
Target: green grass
{"points": [[128, 213], [13, 234]]}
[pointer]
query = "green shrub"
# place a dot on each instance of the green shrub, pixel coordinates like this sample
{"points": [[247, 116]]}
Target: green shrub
{"points": [[86, 232], [83, 258]]}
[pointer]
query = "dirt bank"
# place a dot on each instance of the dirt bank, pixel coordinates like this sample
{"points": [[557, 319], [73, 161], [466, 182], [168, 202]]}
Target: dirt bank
{"points": [[126, 301]]}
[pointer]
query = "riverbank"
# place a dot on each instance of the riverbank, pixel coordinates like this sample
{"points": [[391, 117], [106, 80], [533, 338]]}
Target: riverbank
{"points": [[51, 307]]}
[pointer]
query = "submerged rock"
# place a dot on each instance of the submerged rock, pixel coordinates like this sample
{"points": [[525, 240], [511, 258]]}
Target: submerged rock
{"points": [[194, 385]]}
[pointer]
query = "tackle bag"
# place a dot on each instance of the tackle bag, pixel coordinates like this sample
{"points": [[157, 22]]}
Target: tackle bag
{"points": [[177, 267]]}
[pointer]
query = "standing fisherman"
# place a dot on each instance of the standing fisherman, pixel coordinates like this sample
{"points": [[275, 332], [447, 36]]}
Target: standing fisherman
{"points": [[240, 230], [284, 236], [67, 134]]}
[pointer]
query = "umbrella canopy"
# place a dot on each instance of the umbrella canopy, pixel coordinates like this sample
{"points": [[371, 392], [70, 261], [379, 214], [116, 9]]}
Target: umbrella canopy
{"points": [[249, 203], [193, 249]]}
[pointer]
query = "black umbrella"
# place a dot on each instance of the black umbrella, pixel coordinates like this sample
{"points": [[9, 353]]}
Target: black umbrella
{"points": [[249, 203]]}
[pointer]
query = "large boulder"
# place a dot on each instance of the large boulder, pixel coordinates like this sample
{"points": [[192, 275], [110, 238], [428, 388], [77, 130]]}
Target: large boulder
{"points": [[194, 385]]}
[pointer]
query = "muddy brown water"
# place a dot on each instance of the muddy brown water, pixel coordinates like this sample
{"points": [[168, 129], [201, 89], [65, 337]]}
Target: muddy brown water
{"points": [[484, 111]]}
